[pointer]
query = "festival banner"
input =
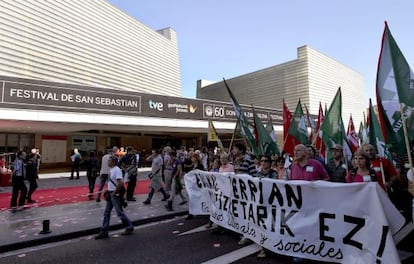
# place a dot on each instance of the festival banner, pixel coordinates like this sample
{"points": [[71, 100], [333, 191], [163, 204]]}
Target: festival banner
{"points": [[315, 220]]}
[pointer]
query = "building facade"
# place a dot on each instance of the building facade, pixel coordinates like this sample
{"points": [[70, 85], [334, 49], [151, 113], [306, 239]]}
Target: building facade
{"points": [[88, 43], [58, 117], [313, 77], [56, 55]]}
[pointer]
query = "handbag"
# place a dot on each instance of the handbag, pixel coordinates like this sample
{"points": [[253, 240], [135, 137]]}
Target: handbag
{"points": [[120, 194], [107, 195]]}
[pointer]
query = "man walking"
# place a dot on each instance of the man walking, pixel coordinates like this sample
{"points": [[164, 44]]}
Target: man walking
{"points": [[129, 166], [156, 178], [114, 200], [103, 173], [76, 160]]}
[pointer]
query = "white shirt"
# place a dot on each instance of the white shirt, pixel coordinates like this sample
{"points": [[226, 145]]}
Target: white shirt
{"points": [[104, 164], [410, 175], [156, 165], [115, 174], [204, 159]]}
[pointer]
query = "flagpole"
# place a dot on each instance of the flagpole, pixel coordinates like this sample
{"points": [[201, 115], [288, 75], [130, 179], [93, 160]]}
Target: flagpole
{"points": [[208, 131], [284, 141], [407, 142], [381, 165], [344, 158], [232, 137], [316, 137]]}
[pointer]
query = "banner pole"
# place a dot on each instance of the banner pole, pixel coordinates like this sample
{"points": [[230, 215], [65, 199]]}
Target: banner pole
{"points": [[381, 165], [407, 144]]}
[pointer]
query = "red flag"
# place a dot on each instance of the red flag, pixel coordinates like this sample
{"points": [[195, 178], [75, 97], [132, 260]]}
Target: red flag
{"points": [[319, 142], [352, 135], [287, 116], [290, 141]]}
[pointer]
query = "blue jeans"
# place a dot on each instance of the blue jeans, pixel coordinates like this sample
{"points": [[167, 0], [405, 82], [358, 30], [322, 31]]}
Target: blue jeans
{"points": [[114, 202]]}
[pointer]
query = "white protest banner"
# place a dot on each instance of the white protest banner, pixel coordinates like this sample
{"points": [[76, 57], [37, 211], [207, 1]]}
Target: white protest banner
{"points": [[334, 222]]}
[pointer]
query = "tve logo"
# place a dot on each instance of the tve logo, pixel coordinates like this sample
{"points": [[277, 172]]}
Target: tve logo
{"points": [[155, 105]]}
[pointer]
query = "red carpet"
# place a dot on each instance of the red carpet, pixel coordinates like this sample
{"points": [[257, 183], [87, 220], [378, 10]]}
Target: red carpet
{"points": [[65, 195]]}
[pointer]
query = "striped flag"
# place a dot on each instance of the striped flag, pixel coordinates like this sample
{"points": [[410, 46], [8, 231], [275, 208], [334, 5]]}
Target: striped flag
{"points": [[352, 135], [212, 135]]}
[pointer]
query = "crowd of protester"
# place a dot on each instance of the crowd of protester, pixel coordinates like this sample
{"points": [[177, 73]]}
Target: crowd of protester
{"points": [[169, 166], [307, 164]]}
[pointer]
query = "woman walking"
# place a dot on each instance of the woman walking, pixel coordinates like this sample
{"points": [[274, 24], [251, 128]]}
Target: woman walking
{"points": [[31, 174], [19, 187], [92, 170]]}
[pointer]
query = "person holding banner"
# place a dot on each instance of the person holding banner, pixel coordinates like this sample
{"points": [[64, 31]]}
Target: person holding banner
{"points": [[363, 171], [243, 164], [196, 159], [195, 165], [398, 195], [266, 172], [305, 168], [242, 161], [225, 165], [282, 172], [215, 167]]}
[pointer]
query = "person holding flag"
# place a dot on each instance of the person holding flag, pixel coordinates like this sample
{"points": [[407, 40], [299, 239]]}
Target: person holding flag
{"points": [[399, 196]]}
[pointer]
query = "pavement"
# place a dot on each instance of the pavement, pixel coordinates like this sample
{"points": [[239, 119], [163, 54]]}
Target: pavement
{"points": [[40, 225]]}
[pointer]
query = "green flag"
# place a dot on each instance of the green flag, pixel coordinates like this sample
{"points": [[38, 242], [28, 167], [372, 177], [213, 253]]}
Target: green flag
{"points": [[265, 144], [297, 127], [375, 136], [242, 121], [333, 130], [395, 90], [270, 130]]}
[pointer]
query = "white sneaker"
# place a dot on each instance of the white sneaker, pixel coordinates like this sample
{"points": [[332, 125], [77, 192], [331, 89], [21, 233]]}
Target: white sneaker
{"points": [[243, 241], [262, 254]]}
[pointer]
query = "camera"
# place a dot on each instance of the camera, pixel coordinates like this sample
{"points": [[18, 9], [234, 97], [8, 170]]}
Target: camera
{"points": [[124, 204]]}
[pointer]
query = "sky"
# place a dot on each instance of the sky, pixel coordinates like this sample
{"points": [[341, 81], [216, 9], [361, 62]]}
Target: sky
{"points": [[226, 38]]}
